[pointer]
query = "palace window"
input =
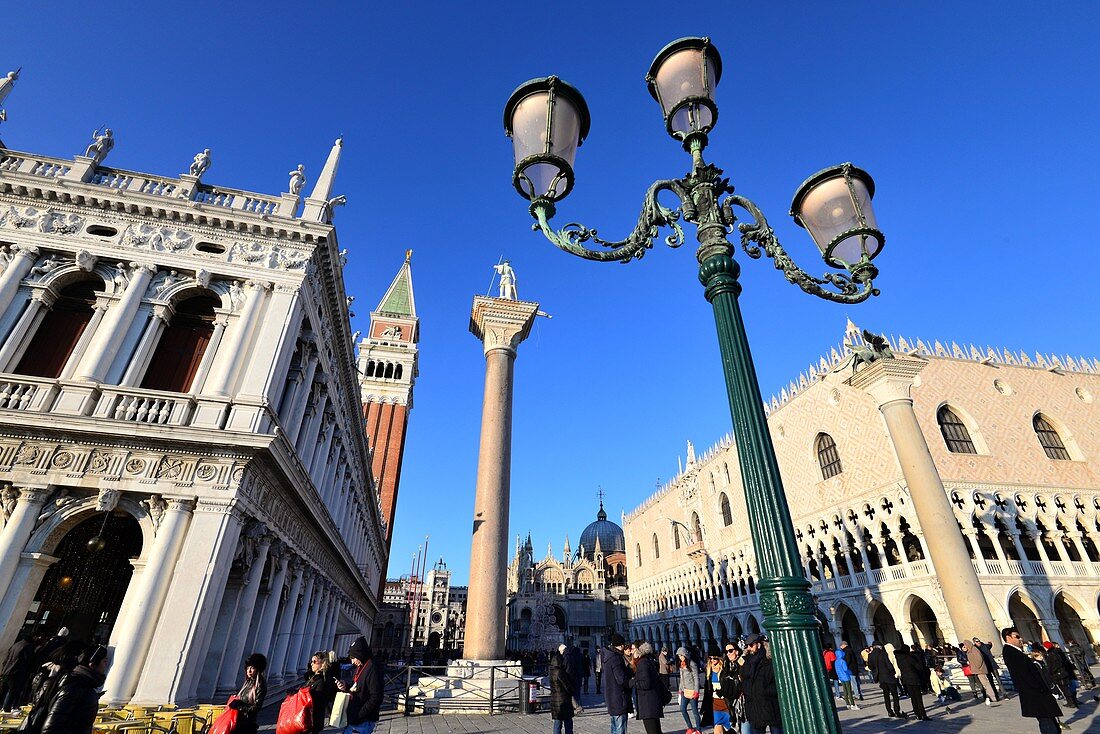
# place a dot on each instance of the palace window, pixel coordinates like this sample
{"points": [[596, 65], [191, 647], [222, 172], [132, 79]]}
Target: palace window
{"points": [[727, 514], [638, 548], [60, 330], [1049, 439], [827, 456], [954, 431], [182, 345], [656, 547], [697, 527], [676, 536]]}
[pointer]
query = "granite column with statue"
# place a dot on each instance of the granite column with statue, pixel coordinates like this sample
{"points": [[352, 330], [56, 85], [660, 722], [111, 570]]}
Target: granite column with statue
{"points": [[501, 324], [889, 380]]}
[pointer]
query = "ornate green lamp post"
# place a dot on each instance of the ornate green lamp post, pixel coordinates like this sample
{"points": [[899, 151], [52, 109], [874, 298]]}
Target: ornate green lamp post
{"points": [[548, 120]]}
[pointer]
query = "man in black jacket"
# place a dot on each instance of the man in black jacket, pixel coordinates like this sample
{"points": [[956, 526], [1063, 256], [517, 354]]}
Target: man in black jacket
{"points": [[913, 674], [73, 709], [758, 683], [1036, 700], [878, 662], [366, 690], [617, 682], [1061, 671]]}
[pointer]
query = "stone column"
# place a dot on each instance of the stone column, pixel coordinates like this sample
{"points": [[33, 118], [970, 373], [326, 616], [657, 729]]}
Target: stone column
{"points": [[297, 406], [183, 634], [112, 328], [17, 531], [23, 586], [233, 350], [233, 655], [22, 259], [18, 338], [890, 382], [281, 643], [298, 634], [501, 325], [154, 327], [145, 607], [267, 621]]}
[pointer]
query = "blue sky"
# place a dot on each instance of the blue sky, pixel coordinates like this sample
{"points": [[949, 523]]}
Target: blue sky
{"points": [[978, 122]]}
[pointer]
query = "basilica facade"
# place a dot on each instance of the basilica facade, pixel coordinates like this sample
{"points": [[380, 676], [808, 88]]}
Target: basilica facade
{"points": [[579, 598], [1012, 438], [185, 471]]}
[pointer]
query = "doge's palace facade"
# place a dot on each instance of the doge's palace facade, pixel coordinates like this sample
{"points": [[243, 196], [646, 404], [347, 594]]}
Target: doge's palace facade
{"points": [[1011, 441], [184, 470]]}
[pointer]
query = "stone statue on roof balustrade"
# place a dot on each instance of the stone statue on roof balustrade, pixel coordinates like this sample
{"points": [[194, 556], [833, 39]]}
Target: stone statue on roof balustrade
{"points": [[200, 164], [101, 145], [297, 180]]}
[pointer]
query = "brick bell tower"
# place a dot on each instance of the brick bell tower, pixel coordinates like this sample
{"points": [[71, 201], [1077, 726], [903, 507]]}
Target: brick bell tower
{"points": [[387, 369]]}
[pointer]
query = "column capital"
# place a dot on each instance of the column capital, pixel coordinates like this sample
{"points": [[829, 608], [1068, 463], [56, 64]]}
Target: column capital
{"points": [[180, 504], [888, 380], [501, 324], [28, 251], [33, 495]]}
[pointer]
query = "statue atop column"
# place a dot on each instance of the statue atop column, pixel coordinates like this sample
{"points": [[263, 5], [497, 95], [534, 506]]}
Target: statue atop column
{"points": [[200, 164], [101, 145], [6, 85], [507, 281]]}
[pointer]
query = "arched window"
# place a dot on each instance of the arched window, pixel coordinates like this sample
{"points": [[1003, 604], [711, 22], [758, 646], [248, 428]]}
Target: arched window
{"points": [[656, 548], [638, 548], [954, 432], [181, 348], [1049, 439], [727, 514], [59, 331], [389, 370], [827, 457], [370, 368], [397, 372], [676, 536], [696, 527]]}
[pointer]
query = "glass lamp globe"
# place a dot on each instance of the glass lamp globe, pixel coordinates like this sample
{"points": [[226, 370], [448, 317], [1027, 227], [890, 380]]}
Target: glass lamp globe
{"points": [[547, 120]]}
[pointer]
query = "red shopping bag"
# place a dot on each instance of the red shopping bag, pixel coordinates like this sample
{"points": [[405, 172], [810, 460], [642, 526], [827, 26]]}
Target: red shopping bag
{"points": [[227, 722], [296, 713]]}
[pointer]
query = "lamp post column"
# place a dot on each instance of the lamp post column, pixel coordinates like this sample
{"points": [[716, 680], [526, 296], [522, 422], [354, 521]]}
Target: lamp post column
{"points": [[501, 325], [805, 701], [889, 382]]}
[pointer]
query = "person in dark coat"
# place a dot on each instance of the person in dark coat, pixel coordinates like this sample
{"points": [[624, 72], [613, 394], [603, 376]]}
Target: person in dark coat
{"points": [[561, 694], [617, 681], [574, 664], [73, 708], [1061, 671], [992, 670], [48, 679], [913, 674], [1077, 656], [15, 673], [366, 690], [250, 699], [586, 671], [878, 662], [322, 688], [650, 687], [758, 682], [1036, 700]]}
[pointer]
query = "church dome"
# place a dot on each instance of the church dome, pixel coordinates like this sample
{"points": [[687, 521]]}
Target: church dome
{"points": [[610, 535]]}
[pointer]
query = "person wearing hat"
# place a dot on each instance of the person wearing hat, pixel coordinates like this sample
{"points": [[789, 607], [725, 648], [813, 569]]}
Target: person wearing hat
{"points": [[1061, 671], [250, 699], [652, 694], [761, 695], [720, 689], [617, 682], [688, 689], [561, 692], [73, 709], [365, 690], [885, 674]]}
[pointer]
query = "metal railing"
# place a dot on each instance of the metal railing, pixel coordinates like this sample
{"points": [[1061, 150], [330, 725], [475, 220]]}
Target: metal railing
{"points": [[495, 698]]}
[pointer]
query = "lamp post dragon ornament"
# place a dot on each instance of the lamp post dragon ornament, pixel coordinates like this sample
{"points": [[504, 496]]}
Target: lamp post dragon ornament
{"points": [[548, 120]]}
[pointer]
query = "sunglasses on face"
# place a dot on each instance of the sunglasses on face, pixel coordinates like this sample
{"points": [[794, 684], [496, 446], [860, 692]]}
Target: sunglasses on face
{"points": [[731, 649]]}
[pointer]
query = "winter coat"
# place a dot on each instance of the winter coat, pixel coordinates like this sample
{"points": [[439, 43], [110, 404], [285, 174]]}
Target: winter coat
{"points": [[840, 666], [561, 688], [830, 664], [662, 663], [911, 668], [975, 659], [322, 687], [689, 672], [616, 682], [74, 707], [366, 696], [649, 685], [1036, 700], [1061, 669], [878, 662], [252, 695], [729, 690], [987, 655], [761, 698], [575, 659]]}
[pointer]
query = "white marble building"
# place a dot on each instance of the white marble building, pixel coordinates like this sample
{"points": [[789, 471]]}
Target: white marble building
{"points": [[183, 465], [1014, 440]]}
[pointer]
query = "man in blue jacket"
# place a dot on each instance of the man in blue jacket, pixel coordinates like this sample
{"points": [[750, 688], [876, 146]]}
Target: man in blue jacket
{"points": [[617, 681]]}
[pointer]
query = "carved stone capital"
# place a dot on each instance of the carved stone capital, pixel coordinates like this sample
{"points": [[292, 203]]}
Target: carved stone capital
{"points": [[259, 285], [181, 504], [29, 252], [33, 495], [501, 324], [888, 380], [138, 267]]}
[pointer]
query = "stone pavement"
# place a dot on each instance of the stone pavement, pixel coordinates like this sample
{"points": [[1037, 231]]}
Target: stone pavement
{"points": [[970, 717]]}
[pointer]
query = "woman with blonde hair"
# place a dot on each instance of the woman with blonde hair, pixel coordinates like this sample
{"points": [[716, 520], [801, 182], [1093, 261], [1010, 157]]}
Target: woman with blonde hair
{"points": [[322, 687]]}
